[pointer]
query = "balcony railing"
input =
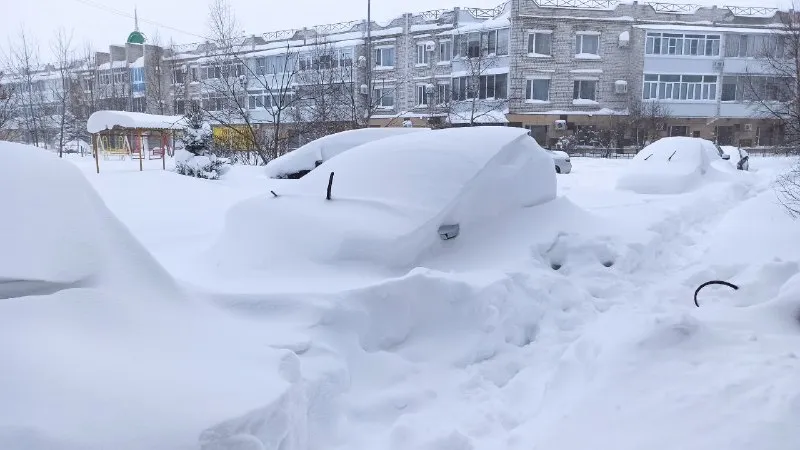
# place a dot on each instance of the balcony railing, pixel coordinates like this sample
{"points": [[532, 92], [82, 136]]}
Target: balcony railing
{"points": [[280, 35], [486, 13], [341, 27], [673, 8], [583, 4], [433, 14], [752, 11]]}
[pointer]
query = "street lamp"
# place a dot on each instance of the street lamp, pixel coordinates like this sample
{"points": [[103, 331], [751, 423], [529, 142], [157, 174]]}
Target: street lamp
{"points": [[369, 60]]}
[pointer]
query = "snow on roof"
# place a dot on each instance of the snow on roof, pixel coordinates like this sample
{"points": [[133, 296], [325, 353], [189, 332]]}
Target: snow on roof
{"points": [[113, 65], [430, 27], [139, 62], [501, 21], [695, 28], [400, 189], [106, 120], [325, 148]]}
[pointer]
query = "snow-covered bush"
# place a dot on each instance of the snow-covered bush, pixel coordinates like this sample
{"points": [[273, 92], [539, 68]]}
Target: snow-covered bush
{"points": [[196, 159]]}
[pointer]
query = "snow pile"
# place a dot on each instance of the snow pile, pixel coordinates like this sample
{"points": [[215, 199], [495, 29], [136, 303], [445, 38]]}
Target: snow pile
{"points": [[304, 159], [58, 233], [672, 165], [401, 189], [91, 326], [107, 120]]}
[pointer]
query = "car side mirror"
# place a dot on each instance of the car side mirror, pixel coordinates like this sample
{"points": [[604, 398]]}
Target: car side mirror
{"points": [[726, 156]]}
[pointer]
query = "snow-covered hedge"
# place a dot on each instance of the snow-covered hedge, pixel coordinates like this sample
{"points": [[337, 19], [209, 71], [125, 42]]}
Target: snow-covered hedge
{"points": [[206, 166]]}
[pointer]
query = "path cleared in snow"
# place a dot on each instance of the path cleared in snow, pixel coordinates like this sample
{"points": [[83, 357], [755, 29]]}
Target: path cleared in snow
{"points": [[493, 348]]}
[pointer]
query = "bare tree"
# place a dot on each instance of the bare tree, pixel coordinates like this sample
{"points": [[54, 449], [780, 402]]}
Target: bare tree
{"points": [[479, 94], [326, 92], [773, 86], [9, 98], [648, 118], [156, 78], [248, 95], [64, 59], [24, 64]]}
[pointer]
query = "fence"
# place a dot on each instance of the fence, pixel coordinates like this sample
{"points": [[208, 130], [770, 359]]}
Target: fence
{"points": [[616, 153]]}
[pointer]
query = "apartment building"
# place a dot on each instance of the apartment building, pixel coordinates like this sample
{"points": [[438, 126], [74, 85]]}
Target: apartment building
{"points": [[552, 66]]}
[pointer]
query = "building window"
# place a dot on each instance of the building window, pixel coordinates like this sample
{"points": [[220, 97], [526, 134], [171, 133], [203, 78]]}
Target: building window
{"points": [[497, 42], [383, 97], [755, 46], [261, 66], [442, 93], [587, 44], [679, 130], [680, 87], [445, 51], [384, 57], [422, 95], [540, 44], [584, 90], [538, 90], [473, 44], [728, 93], [423, 55], [682, 44], [179, 106], [482, 87], [178, 76]]}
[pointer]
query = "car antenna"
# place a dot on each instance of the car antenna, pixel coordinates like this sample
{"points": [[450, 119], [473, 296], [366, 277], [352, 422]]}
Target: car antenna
{"points": [[648, 156], [670, 156]]}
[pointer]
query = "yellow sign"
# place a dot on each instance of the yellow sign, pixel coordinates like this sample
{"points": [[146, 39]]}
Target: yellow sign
{"points": [[233, 137]]}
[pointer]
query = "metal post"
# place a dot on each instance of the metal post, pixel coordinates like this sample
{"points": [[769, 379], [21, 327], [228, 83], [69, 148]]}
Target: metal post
{"points": [[369, 61]]}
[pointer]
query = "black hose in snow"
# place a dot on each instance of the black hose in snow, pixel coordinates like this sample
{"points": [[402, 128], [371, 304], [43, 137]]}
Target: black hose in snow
{"points": [[708, 283]]}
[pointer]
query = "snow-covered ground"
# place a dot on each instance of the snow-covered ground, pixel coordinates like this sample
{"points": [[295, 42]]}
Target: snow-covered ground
{"points": [[568, 326]]}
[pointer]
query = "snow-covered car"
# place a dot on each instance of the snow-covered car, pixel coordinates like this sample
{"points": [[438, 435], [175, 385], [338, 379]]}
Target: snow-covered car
{"points": [[737, 155], [299, 162], [673, 165], [391, 200], [561, 160]]}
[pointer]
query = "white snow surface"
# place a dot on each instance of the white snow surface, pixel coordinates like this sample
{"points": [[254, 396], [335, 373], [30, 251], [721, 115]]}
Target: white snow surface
{"points": [[400, 189], [325, 148], [673, 165], [482, 346], [107, 120]]}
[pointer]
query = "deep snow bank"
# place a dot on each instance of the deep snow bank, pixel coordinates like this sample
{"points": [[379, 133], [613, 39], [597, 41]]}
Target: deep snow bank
{"points": [[673, 165], [57, 232], [100, 348], [389, 198]]}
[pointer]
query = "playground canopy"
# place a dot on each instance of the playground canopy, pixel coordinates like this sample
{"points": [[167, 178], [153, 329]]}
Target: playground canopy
{"points": [[124, 134], [108, 120]]}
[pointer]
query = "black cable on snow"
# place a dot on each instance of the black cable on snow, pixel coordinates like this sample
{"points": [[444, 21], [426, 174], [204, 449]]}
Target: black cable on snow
{"points": [[709, 283]]}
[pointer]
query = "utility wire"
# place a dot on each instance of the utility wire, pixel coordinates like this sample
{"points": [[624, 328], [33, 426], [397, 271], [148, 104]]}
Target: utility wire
{"points": [[130, 16]]}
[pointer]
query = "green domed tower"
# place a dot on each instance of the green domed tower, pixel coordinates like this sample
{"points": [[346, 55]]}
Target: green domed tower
{"points": [[136, 36]]}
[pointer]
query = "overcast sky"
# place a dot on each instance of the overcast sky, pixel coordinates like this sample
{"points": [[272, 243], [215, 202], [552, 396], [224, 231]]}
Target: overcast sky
{"points": [[94, 22]]}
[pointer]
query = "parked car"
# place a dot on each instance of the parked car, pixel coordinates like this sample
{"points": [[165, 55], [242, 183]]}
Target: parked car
{"points": [[674, 165], [561, 160], [738, 155], [298, 163]]}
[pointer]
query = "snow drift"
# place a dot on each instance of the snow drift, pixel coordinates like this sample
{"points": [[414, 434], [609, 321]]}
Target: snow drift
{"points": [[390, 197], [673, 165], [58, 233], [305, 158], [100, 348]]}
